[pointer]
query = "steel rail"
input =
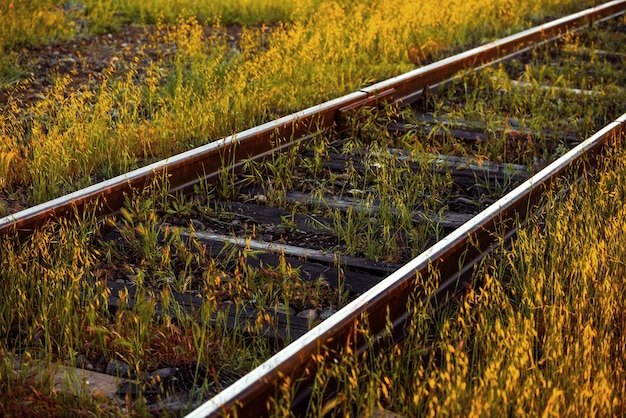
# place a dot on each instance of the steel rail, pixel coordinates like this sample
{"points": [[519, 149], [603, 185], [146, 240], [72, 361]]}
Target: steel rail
{"points": [[387, 301], [406, 88], [205, 162], [452, 258]]}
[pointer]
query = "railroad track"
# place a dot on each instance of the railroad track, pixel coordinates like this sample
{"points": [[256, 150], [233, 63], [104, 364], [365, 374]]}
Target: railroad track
{"points": [[363, 195]]}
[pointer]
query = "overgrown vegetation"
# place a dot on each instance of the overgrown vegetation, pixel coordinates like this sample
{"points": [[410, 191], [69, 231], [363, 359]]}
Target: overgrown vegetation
{"points": [[533, 334], [540, 331], [394, 198], [57, 305], [530, 112], [188, 87]]}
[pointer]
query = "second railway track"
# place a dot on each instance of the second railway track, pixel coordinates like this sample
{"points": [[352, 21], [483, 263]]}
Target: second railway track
{"points": [[348, 204]]}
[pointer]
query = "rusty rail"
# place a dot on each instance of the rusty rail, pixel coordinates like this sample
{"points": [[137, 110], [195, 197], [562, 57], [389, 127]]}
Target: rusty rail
{"points": [[452, 258], [186, 169]]}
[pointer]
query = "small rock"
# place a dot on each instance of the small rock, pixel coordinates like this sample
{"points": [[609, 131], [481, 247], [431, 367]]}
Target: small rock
{"points": [[174, 405], [235, 222], [144, 376], [100, 365], [197, 224], [82, 362], [165, 373], [310, 314], [261, 198], [267, 238], [466, 201], [280, 231], [327, 312], [118, 368], [168, 280], [131, 389]]}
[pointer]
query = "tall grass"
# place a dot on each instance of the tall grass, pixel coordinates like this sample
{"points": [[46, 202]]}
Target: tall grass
{"points": [[540, 331], [532, 336], [32, 23], [546, 106], [207, 87], [56, 309]]}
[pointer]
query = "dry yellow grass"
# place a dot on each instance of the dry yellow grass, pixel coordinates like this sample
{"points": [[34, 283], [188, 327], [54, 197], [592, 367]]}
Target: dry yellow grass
{"points": [[540, 333], [208, 88]]}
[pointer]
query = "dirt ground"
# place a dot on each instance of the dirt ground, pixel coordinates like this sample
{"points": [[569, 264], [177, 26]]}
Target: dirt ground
{"points": [[86, 58]]}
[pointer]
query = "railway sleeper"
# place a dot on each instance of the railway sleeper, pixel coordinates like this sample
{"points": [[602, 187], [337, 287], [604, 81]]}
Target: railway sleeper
{"points": [[465, 172], [429, 125]]}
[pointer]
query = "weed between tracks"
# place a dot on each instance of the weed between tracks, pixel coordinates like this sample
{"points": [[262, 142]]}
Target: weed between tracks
{"points": [[539, 332], [520, 106], [171, 309], [188, 84], [54, 294], [385, 193]]}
